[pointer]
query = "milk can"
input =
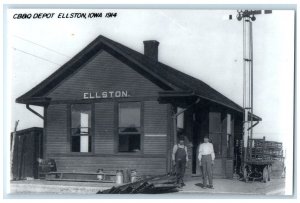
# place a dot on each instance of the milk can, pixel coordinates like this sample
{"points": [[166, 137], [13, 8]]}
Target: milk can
{"points": [[133, 176], [119, 177], [100, 176]]}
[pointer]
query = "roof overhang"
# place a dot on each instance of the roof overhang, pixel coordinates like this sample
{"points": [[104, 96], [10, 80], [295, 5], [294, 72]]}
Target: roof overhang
{"points": [[187, 97], [37, 101], [179, 98]]}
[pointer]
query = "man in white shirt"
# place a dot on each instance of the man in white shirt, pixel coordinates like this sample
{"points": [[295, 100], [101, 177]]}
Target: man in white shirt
{"points": [[206, 160], [180, 160]]}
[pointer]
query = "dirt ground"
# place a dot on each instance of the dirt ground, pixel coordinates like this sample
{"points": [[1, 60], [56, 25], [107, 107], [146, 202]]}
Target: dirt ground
{"points": [[226, 186], [193, 187]]}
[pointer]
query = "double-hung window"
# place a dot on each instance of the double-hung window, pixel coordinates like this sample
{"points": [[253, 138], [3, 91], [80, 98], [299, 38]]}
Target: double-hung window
{"points": [[81, 137], [129, 127]]}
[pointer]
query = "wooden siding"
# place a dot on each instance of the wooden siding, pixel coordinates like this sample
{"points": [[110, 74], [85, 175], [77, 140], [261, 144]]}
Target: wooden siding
{"points": [[155, 128], [148, 166], [104, 73], [152, 161], [218, 168], [56, 132], [155, 145], [229, 168], [215, 132], [155, 116], [104, 128]]}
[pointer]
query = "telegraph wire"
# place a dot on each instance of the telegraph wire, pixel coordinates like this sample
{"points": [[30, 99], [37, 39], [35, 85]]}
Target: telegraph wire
{"points": [[24, 52], [41, 46]]}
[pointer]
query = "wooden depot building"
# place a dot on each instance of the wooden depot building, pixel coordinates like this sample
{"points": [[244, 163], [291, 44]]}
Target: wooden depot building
{"points": [[111, 107]]}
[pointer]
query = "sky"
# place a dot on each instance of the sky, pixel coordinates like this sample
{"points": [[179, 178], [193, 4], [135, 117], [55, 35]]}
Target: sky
{"points": [[202, 43]]}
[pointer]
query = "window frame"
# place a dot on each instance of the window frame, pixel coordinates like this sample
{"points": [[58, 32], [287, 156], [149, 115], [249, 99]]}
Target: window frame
{"points": [[116, 130], [92, 134]]}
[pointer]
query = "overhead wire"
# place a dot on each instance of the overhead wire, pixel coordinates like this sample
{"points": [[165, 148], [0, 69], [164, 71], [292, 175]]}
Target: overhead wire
{"points": [[37, 44], [24, 52]]}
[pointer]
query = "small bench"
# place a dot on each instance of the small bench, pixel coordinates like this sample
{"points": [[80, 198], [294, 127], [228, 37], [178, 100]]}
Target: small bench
{"points": [[82, 177]]}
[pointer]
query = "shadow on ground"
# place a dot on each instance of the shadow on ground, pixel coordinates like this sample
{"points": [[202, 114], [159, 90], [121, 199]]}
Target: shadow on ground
{"points": [[199, 185]]}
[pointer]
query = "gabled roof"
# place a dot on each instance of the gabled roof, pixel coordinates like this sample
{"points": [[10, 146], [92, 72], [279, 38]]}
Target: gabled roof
{"points": [[170, 77]]}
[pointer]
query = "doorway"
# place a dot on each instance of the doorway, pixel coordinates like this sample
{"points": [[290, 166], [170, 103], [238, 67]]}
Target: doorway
{"points": [[200, 128]]}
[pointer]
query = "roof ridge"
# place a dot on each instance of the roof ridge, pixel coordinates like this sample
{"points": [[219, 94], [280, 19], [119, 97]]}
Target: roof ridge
{"points": [[162, 72], [174, 70]]}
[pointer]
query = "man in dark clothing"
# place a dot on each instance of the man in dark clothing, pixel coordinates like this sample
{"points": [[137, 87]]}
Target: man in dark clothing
{"points": [[180, 159]]}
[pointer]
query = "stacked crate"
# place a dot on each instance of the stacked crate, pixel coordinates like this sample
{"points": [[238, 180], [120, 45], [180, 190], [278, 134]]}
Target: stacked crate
{"points": [[274, 149], [262, 150]]}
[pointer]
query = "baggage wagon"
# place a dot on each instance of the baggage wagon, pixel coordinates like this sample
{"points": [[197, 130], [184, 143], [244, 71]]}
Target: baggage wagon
{"points": [[260, 155]]}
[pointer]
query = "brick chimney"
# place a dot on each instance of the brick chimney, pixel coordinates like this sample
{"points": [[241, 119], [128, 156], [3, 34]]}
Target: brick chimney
{"points": [[151, 49]]}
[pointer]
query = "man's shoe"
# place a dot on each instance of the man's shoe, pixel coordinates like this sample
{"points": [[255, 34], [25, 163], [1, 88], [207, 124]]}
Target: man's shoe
{"points": [[211, 187], [204, 187], [182, 184]]}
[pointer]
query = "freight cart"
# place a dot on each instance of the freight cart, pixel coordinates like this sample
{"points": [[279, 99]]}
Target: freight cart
{"points": [[260, 155]]}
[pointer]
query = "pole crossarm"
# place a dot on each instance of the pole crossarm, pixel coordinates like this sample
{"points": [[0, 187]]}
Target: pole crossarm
{"points": [[247, 17]]}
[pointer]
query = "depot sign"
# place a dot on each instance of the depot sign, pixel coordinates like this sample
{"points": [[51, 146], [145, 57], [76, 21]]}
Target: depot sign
{"points": [[106, 94]]}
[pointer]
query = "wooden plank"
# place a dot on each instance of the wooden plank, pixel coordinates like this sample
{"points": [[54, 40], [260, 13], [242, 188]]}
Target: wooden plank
{"points": [[81, 180], [83, 173]]}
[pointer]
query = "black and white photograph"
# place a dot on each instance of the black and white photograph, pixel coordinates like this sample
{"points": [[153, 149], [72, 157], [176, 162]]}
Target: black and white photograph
{"points": [[166, 102]]}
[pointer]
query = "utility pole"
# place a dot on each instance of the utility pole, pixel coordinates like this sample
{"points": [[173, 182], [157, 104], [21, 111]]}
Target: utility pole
{"points": [[247, 17]]}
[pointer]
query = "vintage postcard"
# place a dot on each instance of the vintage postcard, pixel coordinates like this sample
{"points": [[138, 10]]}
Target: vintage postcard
{"points": [[188, 102]]}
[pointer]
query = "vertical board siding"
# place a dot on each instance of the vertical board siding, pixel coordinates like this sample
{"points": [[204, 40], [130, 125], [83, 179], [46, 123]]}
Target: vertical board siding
{"points": [[104, 72], [56, 131], [155, 126], [104, 128]]}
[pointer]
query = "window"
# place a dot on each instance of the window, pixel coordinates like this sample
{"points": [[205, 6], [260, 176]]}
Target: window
{"points": [[81, 128], [129, 129]]}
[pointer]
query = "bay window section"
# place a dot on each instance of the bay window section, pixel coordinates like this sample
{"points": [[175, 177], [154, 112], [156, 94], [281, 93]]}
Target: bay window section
{"points": [[81, 137], [129, 127]]}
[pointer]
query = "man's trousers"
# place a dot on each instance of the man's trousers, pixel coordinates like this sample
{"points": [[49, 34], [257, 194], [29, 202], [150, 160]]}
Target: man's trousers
{"points": [[180, 170], [206, 163]]}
